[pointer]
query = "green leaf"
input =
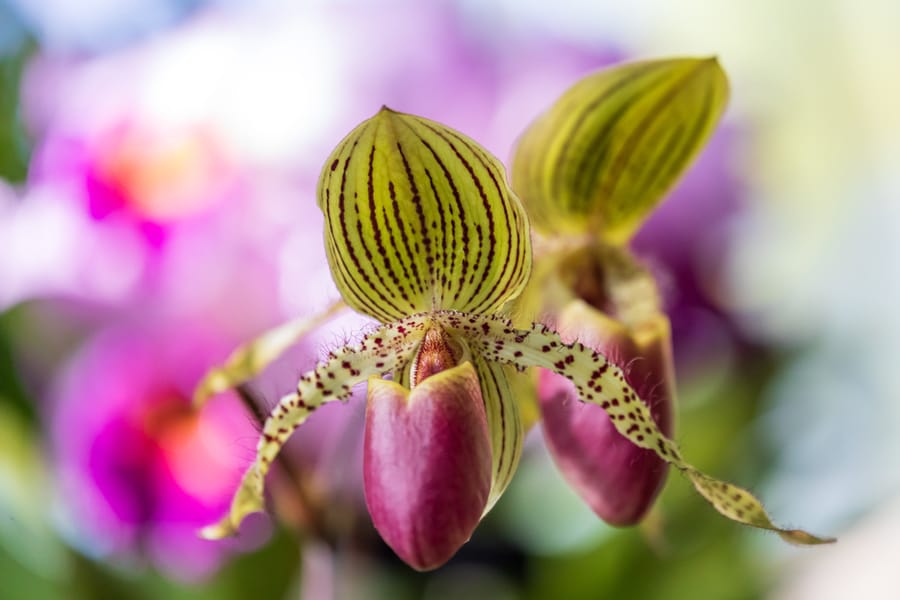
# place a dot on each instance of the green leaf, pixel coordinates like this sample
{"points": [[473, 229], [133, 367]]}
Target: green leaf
{"points": [[602, 157], [419, 217]]}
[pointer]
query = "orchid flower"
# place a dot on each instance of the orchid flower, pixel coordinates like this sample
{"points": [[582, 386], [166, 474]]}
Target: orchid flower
{"points": [[590, 170], [424, 234]]}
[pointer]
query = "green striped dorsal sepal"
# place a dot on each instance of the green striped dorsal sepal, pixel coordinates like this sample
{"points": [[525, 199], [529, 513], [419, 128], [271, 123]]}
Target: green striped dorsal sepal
{"points": [[601, 158], [418, 217]]}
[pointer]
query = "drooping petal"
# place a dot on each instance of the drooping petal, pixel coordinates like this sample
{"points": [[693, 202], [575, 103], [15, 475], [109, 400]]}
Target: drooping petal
{"points": [[419, 217], [427, 464], [606, 152], [617, 479], [600, 382], [385, 349], [250, 359]]}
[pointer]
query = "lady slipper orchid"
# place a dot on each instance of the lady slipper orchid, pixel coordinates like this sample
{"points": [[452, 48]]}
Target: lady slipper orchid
{"points": [[423, 233], [139, 469], [595, 164]]}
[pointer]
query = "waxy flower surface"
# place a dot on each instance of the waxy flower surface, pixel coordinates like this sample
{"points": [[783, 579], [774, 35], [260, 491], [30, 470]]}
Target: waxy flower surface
{"points": [[590, 169], [423, 233]]}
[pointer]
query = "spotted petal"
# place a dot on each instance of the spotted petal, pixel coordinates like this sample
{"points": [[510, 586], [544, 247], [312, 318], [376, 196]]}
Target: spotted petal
{"points": [[600, 382], [602, 157], [419, 217], [617, 479], [388, 348]]}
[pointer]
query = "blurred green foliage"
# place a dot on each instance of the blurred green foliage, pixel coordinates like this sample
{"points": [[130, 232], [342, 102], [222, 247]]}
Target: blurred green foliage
{"points": [[12, 391], [271, 572], [14, 144]]}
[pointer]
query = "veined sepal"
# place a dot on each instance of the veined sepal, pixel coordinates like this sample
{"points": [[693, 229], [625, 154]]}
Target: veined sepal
{"points": [[601, 157], [600, 382], [419, 217]]}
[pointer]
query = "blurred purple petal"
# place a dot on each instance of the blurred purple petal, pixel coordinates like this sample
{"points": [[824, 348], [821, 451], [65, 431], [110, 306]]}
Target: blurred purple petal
{"points": [[140, 471]]}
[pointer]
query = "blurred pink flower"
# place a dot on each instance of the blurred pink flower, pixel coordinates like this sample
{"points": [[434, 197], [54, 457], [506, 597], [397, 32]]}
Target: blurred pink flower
{"points": [[154, 175], [124, 207], [139, 470]]}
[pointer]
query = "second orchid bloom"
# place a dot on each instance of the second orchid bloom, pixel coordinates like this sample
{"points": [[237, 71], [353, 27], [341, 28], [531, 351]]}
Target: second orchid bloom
{"points": [[424, 234]]}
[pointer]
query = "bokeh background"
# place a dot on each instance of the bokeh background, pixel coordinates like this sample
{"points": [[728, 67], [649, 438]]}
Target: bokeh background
{"points": [[158, 163]]}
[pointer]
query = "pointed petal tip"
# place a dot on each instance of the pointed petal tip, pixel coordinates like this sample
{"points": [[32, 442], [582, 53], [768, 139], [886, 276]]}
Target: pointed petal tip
{"points": [[247, 500], [386, 112], [218, 531], [214, 382], [798, 537], [740, 505], [230, 526]]}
